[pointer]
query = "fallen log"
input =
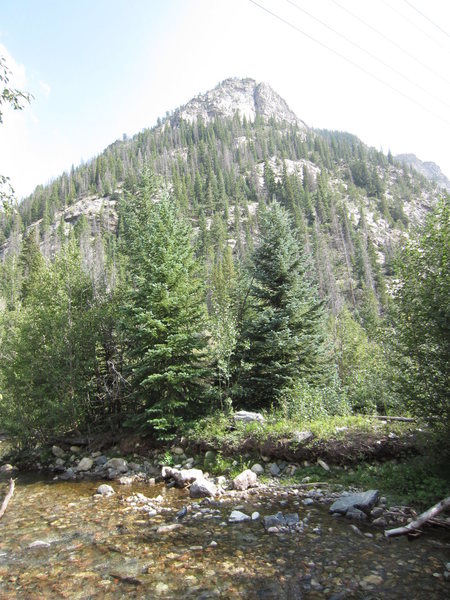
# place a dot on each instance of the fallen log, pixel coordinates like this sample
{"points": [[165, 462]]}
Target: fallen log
{"points": [[402, 419], [421, 520], [7, 497]]}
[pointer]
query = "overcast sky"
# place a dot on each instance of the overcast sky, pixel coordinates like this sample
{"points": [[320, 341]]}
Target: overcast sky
{"points": [[101, 68]]}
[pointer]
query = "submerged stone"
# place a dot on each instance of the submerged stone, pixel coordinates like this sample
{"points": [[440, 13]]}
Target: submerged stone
{"points": [[238, 517]]}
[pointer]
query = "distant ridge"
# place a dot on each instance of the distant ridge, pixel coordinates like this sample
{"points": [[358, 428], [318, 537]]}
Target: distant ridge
{"points": [[428, 169]]}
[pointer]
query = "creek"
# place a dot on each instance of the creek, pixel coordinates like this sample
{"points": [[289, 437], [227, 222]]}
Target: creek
{"points": [[59, 540]]}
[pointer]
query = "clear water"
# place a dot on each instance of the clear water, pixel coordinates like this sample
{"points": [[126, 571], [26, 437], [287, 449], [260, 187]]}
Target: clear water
{"points": [[102, 548]]}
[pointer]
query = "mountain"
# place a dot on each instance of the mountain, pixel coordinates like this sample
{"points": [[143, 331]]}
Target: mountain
{"points": [[222, 154], [245, 96], [428, 169]]}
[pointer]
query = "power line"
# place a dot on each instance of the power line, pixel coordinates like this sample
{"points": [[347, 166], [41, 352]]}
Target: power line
{"points": [[392, 42], [373, 56], [425, 17], [350, 61], [416, 26]]}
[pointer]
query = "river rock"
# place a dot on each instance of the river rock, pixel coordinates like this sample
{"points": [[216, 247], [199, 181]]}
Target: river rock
{"points": [[85, 464], [323, 464], [39, 544], [117, 464], [237, 516], [168, 528], [258, 469], [356, 514], [244, 416], [363, 501], [202, 488], [100, 460], [274, 469], [244, 480], [210, 456], [302, 436], [58, 452], [105, 490], [68, 474], [255, 515], [7, 468], [177, 450], [181, 477]]}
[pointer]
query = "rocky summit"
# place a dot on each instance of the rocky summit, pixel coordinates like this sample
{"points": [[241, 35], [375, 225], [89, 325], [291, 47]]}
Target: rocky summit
{"points": [[245, 96]]}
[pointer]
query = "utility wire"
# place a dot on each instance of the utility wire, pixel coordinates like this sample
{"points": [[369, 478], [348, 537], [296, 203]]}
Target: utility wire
{"points": [[350, 61], [392, 42], [425, 17], [373, 56], [433, 39]]}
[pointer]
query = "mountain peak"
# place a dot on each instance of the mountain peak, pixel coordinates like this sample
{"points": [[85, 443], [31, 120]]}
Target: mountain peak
{"points": [[246, 96], [429, 169]]}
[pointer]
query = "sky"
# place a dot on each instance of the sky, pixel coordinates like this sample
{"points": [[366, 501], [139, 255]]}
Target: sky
{"points": [[100, 68]]}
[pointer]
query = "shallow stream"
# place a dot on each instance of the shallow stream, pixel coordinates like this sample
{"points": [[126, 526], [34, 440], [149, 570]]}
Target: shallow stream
{"points": [[94, 547]]}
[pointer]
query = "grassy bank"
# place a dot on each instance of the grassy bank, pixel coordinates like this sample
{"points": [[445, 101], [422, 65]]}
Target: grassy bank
{"points": [[406, 461]]}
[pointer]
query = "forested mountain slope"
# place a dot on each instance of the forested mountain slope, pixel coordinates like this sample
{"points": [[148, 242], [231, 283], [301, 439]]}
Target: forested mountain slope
{"points": [[222, 154]]}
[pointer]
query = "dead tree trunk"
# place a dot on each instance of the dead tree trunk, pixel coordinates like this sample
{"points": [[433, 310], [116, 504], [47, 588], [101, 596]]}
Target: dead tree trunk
{"points": [[421, 520], [7, 497]]}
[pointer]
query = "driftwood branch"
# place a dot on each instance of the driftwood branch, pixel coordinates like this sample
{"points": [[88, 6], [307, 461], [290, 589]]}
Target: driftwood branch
{"points": [[7, 497], [421, 520], [402, 419]]}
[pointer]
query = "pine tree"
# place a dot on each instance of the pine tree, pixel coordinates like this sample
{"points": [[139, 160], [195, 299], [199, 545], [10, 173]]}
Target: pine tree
{"points": [[164, 314], [281, 338]]}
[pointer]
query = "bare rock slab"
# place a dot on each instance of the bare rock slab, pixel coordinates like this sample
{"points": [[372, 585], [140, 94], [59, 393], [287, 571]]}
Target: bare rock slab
{"points": [[364, 501]]}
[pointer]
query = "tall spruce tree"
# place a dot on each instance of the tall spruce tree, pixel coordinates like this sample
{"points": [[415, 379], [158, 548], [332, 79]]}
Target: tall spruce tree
{"points": [[164, 310], [281, 339]]}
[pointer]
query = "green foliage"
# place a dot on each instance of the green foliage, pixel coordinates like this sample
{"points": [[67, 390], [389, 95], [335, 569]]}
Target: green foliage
{"points": [[305, 402], [281, 338], [421, 317], [363, 366], [164, 313], [48, 352]]}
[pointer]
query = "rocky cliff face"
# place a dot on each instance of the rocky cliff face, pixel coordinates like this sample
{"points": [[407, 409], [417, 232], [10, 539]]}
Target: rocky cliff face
{"points": [[428, 169], [246, 96]]}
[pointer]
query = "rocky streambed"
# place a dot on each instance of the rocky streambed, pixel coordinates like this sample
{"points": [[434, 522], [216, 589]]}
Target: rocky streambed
{"points": [[142, 534]]}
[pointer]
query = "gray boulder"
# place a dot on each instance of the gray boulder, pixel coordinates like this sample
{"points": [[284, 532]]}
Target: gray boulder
{"points": [[85, 464], [245, 480], [58, 452], [202, 488], [274, 469], [258, 469], [105, 490], [280, 520], [302, 436], [244, 416], [363, 501], [237, 516], [117, 464], [181, 477]]}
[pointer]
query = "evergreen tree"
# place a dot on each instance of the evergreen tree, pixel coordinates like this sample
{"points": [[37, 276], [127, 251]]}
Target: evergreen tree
{"points": [[164, 314], [47, 358], [421, 316], [281, 339]]}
